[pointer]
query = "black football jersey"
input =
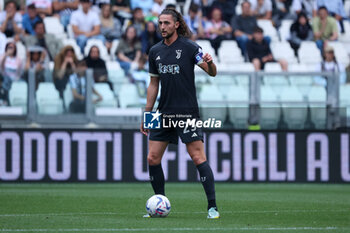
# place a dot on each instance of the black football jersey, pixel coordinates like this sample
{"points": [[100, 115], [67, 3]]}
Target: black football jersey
{"points": [[174, 65]]}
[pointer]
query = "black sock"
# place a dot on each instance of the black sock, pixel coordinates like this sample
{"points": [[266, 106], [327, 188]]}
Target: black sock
{"points": [[156, 176], [207, 179]]}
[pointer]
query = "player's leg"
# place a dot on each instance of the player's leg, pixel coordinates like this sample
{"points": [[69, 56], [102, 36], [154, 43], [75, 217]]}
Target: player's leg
{"points": [[155, 153], [196, 151], [257, 64]]}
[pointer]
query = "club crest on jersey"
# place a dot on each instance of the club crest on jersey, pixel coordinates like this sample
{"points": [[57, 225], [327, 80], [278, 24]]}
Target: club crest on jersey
{"points": [[178, 53], [171, 69]]}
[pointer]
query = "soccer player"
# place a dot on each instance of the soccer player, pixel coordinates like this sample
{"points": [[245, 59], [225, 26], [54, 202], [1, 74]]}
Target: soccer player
{"points": [[171, 63]]}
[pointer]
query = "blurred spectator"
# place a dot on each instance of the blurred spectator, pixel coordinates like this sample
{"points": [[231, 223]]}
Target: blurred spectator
{"points": [[4, 95], [30, 18], [259, 51], [111, 28], [121, 9], [77, 82], [36, 59], [3, 41], [324, 27], [11, 20], [86, 24], [348, 74], [243, 26], [138, 21], [64, 8], [227, 7], [170, 6], [262, 9], [10, 65], [307, 6], [300, 31], [43, 7], [44, 40], [149, 37], [205, 6], [330, 64], [129, 50], [217, 29], [280, 11], [158, 7], [144, 5], [195, 22], [98, 65], [335, 9], [65, 64]]}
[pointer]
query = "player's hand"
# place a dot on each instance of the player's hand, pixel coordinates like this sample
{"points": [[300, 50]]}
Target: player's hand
{"points": [[143, 130], [207, 58]]}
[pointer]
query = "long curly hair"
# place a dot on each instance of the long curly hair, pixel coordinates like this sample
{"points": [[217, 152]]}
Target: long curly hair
{"points": [[183, 29]]}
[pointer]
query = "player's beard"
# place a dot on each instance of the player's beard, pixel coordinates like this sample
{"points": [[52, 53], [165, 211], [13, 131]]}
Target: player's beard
{"points": [[169, 35]]}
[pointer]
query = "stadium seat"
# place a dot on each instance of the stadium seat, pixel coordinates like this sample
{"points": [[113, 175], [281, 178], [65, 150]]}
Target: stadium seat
{"points": [[67, 96], [300, 80], [206, 47], [108, 99], [282, 50], [114, 49], [223, 82], [115, 73], [346, 36], [344, 100], [293, 107], [48, 99], [309, 53], [229, 53], [238, 106], [270, 110], [242, 67], [211, 101], [21, 51], [284, 30], [277, 82], [18, 95], [318, 103], [54, 26], [340, 52], [73, 43], [269, 29], [129, 96], [70, 31], [103, 50]]}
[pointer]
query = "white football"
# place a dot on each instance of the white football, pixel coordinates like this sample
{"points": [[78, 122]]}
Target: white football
{"points": [[158, 206]]}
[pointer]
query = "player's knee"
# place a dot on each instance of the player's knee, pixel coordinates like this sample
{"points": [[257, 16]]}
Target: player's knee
{"points": [[153, 159], [198, 157]]}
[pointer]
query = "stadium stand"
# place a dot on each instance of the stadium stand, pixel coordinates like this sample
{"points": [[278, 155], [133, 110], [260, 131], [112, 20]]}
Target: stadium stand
{"points": [[18, 95], [279, 93], [270, 109]]}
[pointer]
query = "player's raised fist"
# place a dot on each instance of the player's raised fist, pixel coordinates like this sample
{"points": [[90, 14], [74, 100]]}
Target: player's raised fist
{"points": [[207, 58]]}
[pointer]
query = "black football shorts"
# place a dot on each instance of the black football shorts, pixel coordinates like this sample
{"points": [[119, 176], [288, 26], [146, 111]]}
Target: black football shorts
{"points": [[172, 135]]}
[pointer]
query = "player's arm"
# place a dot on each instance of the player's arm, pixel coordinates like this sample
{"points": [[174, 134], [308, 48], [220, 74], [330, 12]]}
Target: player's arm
{"points": [[208, 65], [152, 92]]}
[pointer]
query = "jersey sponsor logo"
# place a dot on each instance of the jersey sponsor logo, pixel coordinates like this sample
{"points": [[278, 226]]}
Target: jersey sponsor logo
{"points": [[194, 135], [178, 53], [152, 120], [158, 58], [171, 69]]}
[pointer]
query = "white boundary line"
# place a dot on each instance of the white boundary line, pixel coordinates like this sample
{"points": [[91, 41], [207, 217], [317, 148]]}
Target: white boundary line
{"points": [[177, 229], [174, 212]]}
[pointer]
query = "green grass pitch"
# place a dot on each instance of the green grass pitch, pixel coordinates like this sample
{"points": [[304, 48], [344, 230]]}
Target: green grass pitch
{"points": [[257, 208]]}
